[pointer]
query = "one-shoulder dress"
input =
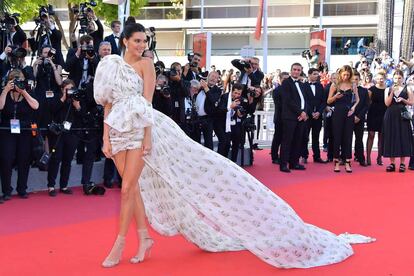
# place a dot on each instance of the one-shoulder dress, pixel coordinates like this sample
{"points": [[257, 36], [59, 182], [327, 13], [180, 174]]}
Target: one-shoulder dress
{"points": [[192, 191]]}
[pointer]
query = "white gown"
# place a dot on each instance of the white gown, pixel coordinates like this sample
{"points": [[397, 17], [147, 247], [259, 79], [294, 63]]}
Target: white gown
{"points": [[190, 190]]}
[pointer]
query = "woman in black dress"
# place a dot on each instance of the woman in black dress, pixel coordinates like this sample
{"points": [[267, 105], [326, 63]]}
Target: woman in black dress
{"points": [[344, 97], [396, 130], [375, 115]]}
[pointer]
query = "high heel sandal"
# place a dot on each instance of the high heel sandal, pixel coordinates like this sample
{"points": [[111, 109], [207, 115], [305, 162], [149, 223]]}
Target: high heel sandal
{"points": [[145, 246], [116, 253], [336, 163], [349, 164], [390, 168], [402, 168]]}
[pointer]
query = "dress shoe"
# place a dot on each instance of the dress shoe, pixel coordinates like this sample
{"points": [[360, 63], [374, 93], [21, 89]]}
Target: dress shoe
{"points": [[363, 164], [24, 195], [6, 197], [276, 161], [284, 169], [305, 160], [52, 192], [298, 167], [108, 184], [255, 146], [66, 191], [319, 160]]}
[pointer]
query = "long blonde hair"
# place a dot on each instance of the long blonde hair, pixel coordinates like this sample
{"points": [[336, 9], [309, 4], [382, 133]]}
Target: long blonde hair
{"points": [[345, 68]]}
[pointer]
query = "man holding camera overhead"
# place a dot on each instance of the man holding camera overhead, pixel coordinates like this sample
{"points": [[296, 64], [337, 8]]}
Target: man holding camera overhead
{"points": [[81, 64]]}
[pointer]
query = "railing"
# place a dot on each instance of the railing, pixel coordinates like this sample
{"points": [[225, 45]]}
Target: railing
{"points": [[340, 9], [153, 13]]}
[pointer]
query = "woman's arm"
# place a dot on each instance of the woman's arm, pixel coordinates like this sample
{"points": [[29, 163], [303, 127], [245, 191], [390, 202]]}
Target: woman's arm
{"points": [[356, 99], [332, 96], [57, 71], [410, 100], [388, 98], [34, 104], [4, 93], [107, 109]]}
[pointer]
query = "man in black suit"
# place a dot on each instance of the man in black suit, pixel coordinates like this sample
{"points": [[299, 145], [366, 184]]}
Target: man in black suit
{"points": [[49, 35], [294, 117], [277, 119], [114, 38], [360, 114], [81, 62], [317, 104], [191, 70], [15, 36], [251, 76]]}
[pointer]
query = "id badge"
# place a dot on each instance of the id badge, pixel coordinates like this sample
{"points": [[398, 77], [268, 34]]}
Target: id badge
{"points": [[67, 125], [49, 94], [176, 104], [15, 126]]}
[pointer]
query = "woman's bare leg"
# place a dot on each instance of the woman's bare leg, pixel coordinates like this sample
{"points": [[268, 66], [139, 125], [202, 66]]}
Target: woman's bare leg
{"points": [[370, 142]]}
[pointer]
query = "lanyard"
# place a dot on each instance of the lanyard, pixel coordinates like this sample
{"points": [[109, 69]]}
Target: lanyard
{"points": [[16, 102]]}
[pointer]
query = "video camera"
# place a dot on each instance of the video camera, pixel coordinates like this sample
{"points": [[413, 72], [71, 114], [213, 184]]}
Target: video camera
{"points": [[306, 54], [246, 64], [44, 12], [82, 16]]}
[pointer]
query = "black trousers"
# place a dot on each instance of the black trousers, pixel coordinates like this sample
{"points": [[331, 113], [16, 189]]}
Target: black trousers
{"points": [[64, 151], [329, 136], [234, 138], [359, 144], [204, 126], [342, 128], [15, 150], [219, 127], [277, 140], [92, 142], [110, 170], [312, 126], [292, 140]]}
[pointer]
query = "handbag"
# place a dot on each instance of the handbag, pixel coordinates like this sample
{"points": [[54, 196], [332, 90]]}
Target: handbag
{"points": [[405, 114]]}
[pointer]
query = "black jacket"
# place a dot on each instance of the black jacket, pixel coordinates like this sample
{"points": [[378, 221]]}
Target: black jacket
{"points": [[317, 102], [363, 105], [19, 37], [97, 35], [55, 41], [291, 103], [212, 100], [74, 66], [277, 101], [114, 49]]}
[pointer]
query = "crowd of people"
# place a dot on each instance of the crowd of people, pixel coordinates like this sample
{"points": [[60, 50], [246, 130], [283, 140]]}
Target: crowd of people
{"points": [[38, 103]]}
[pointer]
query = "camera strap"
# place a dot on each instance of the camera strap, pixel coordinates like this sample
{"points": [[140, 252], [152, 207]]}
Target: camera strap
{"points": [[60, 134]]}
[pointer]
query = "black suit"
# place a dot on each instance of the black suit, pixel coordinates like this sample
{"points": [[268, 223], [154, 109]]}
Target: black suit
{"points": [[97, 35], [19, 37], [55, 37], [74, 66], [114, 48], [361, 111], [293, 129], [211, 108], [317, 103], [277, 120], [255, 77]]}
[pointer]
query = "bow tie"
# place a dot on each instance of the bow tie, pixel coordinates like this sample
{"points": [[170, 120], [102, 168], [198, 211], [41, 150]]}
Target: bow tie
{"points": [[312, 83], [116, 37], [296, 81]]}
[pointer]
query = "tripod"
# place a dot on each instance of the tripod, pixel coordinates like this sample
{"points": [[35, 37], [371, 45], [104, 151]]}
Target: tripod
{"points": [[42, 29]]}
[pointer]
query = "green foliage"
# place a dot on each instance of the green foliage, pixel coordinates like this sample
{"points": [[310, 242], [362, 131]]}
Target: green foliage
{"points": [[28, 9]]}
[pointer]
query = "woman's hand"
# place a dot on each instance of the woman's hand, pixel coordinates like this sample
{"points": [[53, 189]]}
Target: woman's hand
{"points": [[20, 91], [107, 148], [146, 144], [351, 111], [9, 87]]}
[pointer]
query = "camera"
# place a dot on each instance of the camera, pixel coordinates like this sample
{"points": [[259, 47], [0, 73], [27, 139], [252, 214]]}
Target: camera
{"points": [[9, 21], [87, 50], [19, 83], [76, 94], [245, 64], [192, 63], [378, 60], [82, 16], [164, 90], [56, 129], [306, 54]]}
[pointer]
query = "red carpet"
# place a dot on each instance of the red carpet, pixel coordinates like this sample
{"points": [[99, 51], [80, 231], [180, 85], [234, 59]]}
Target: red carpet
{"points": [[71, 235]]}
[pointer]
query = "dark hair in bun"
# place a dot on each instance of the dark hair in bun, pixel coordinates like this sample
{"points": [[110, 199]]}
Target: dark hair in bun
{"points": [[129, 30]]}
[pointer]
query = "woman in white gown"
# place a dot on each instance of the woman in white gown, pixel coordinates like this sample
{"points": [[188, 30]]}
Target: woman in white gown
{"points": [[188, 189]]}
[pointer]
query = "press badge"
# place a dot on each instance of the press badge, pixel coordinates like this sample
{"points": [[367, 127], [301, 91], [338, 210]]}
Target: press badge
{"points": [[15, 126], [176, 104], [67, 125], [49, 94], [232, 122]]}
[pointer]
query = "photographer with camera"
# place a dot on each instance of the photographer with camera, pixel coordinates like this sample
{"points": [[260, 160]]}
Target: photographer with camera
{"points": [[48, 80], [191, 70], [161, 100], [312, 59], [250, 75], [66, 113], [232, 109], [16, 60], [47, 35], [17, 107], [115, 37], [13, 35], [179, 91]]}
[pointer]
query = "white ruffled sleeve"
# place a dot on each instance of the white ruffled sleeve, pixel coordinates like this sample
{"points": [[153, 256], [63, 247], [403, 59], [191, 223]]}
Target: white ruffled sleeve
{"points": [[106, 76]]}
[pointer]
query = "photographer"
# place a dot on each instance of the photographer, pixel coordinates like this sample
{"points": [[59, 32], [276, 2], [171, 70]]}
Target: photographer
{"points": [[115, 37], [66, 115], [251, 75], [191, 70], [162, 96], [232, 109], [16, 60], [15, 36], [17, 107], [313, 60], [179, 92], [48, 35], [409, 64], [48, 80]]}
